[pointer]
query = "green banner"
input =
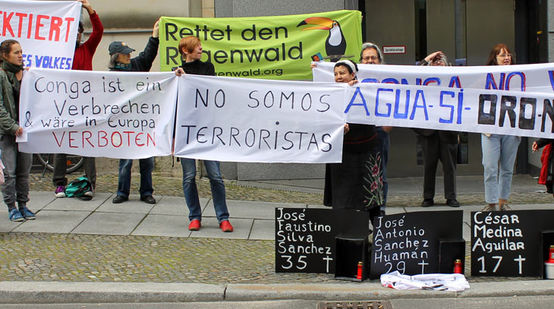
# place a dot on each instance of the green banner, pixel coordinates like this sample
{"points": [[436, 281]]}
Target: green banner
{"points": [[270, 47]]}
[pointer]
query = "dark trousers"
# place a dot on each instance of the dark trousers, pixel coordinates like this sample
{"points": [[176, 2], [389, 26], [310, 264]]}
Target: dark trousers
{"points": [[60, 166], [434, 150]]}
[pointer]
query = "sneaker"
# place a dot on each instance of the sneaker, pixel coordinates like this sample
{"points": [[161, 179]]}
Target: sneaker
{"points": [[60, 191], [194, 225], [226, 226], [89, 194], [27, 213], [15, 216], [489, 207], [505, 207]]}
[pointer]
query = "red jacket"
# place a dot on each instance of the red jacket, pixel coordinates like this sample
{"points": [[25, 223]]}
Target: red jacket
{"points": [[545, 159], [82, 59]]}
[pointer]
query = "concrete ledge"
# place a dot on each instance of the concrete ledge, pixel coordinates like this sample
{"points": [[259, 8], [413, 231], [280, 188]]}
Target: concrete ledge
{"points": [[21, 292], [327, 291], [18, 292], [509, 288]]}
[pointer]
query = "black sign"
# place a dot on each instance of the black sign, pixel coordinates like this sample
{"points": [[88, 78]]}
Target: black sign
{"points": [[305, 238], [410, 242], [509, 243]]}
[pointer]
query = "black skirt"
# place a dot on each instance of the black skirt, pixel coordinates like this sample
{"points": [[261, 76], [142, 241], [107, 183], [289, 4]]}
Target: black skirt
{"points": [[356, 183]]}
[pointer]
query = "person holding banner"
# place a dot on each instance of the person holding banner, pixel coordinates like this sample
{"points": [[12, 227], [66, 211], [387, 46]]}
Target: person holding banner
{"points": [[191, 52], [357, 182], [438, 145], [120, 60], [82, 60], [17, 165], [371, 54], [499, 151]]}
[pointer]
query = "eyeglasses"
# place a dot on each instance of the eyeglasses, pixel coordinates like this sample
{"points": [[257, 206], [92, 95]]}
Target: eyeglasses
{"points": [[505, 55]]}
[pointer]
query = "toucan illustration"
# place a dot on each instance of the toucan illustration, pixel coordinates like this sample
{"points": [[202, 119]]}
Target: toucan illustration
{"points": [[335, 45]]}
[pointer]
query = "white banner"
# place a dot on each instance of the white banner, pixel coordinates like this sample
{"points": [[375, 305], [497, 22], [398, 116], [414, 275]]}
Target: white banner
{"points": [[525, 77], [128, 115], [247, 120], [469, 110], [46, 30]]}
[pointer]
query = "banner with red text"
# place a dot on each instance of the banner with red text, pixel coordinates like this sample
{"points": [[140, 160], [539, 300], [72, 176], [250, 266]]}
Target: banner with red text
{"points": [[46, 30], [248, 120], [127, 115]]}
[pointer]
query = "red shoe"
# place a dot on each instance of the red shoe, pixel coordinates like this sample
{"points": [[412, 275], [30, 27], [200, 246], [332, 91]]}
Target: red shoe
{"points": [[226, 226], [194, 225]]}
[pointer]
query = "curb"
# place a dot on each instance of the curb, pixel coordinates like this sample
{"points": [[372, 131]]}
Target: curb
{"points": [[25, 292]]}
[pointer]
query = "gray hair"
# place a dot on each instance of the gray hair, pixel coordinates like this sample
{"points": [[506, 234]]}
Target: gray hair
{"points": [[367, 45], [113, 61]]}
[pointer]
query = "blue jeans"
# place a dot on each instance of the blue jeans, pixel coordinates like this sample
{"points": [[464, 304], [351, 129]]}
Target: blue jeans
{"points": [[191, 191], [499, 156], [124, 183]]}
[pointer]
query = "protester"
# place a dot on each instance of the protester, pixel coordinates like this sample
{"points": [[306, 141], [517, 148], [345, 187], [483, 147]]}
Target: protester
{"points": [[547, 172], [357, 182], [191, 52], [438, 145], [499, 151], [17, 165], [121, 60], [82, 60], [371, 54]]}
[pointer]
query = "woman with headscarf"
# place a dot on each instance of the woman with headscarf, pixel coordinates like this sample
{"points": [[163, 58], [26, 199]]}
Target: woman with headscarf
{"points": [[356, 182]]}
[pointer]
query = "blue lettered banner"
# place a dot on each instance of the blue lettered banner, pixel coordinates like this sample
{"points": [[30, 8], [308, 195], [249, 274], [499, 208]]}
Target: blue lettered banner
{"points": [[46, 30], [246, 120], [127, 115], [513, 100], [525, 77], [468, 110]]}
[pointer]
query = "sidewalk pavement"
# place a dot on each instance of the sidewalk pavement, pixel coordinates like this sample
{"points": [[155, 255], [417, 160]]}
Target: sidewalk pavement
{"points": [[91, 251]]}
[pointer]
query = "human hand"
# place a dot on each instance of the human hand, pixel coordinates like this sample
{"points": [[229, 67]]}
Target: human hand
{"points": [[352, 82], [535, 146], [19, 131], [179, 71], [156, 29], [432, 56], [313, 65], [346, 128], [87, 6]]}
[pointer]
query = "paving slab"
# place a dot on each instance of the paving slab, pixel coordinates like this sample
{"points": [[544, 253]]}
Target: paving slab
{"points": [[173, 205], [210, 229], [77, 204], [53, 221], [248, 209], [263, 229], [133, 205], [163, 225], [5, 224], [39, 199], [104, 223], [395, 210]]}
